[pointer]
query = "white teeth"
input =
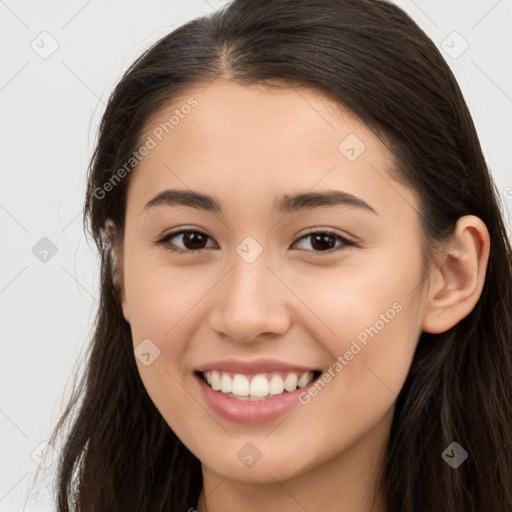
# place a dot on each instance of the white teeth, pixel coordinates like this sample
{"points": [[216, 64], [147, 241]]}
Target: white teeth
{"points": [[305, 379], [215, 381], [290, 383], [240, 384], [226, 383], [276, 385], [259, 387]]}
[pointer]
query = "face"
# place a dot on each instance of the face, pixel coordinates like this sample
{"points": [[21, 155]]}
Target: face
{"points": [[332, 286]]}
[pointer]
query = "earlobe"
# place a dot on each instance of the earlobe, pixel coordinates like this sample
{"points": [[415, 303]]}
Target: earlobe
{"points": [[457, 282]]}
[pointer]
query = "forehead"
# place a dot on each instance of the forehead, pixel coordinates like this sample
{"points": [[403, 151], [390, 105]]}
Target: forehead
{"points": [[278, 117], [256, 138]]}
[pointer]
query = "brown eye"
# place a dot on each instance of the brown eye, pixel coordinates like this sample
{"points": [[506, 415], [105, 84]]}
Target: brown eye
{"points": [[192, 240], [324, 241]]}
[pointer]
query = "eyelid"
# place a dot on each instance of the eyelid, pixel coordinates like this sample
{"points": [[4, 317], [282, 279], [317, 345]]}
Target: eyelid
{"points": [[165, 239], [346, 242], [330, 231]]}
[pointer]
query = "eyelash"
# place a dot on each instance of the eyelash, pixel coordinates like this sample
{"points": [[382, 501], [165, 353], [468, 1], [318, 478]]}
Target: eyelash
{"points": [[165, 241]]}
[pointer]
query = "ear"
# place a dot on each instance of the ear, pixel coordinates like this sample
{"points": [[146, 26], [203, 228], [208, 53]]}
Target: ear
{"points": [[116, 248], [457, 282]]}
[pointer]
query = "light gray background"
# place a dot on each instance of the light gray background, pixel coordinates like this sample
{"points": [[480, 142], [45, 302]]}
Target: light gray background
{"points": [[50, 112]]}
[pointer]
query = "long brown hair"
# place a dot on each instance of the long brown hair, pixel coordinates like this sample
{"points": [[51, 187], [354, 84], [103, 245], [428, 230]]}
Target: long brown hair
{"points": [[119, 453]]}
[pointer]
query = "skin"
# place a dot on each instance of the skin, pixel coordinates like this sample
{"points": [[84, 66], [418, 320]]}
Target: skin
{"points": [[247, 146]]}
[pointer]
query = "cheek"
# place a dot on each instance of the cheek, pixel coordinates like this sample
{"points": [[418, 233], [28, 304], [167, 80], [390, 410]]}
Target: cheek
{"points": [[160, 298], [370, 326], [368, 320], [161, 301], [344, 301]]}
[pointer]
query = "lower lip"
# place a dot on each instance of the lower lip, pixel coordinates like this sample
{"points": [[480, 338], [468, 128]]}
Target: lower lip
{"points": [[250, 411]]}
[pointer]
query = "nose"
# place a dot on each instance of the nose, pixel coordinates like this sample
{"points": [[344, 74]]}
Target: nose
{"points": [[251, 303]]}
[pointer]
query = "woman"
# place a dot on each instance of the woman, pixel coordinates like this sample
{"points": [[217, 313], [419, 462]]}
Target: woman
{"points": [[305, 276]]}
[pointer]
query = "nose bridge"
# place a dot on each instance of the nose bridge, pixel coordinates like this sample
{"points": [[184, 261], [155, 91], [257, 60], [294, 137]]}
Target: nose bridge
{"points": [[250, 301], [248, 282]]}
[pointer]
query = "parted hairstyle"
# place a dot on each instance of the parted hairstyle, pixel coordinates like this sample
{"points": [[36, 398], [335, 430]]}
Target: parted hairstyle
{"points": [[118, 452]]}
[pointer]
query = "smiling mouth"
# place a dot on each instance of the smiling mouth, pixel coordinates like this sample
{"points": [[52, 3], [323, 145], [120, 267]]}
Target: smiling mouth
{"points": [[258, 386]]}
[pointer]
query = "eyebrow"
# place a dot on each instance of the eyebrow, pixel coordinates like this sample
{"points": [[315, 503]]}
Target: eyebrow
{"points": [[285, 205]]}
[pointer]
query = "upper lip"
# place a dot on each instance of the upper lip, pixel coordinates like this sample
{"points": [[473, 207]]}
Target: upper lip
{"points": [[255, 366]]}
